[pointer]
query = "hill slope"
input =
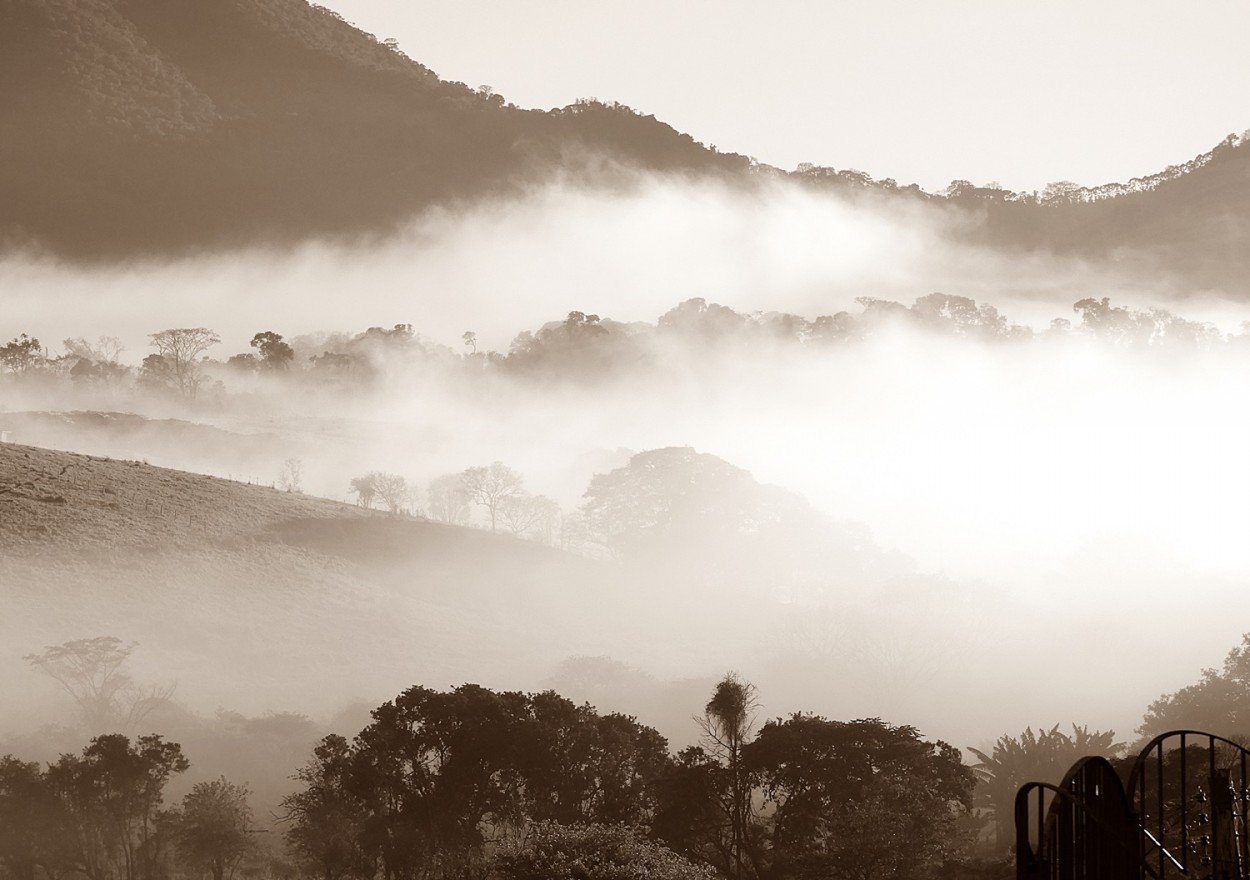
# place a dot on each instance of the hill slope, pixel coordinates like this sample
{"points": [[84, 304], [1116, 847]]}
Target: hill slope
{"points": [[165, 127], [259, 599], [135, 126]]}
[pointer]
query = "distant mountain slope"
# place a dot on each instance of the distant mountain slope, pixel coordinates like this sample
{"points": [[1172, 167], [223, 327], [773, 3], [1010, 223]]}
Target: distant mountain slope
{"points": [[1194, 221], [158, 125]]}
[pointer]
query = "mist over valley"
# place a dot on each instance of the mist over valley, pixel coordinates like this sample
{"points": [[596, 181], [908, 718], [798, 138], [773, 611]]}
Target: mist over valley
{"points": [[345, 410]]}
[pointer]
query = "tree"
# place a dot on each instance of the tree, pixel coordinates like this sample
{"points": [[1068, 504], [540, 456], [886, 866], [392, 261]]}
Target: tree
{"points": [[727, 721], [859, 799], [391, 489], [491, 486], [1219, 701], [181, 348], [246, 363], [106, 349], [21, 353], [213, 827], [702, 323], [365, 490], [157, 373], [448, 499], [439, 777], [34, 827], [92, 672], [470, 341], [1031, 757], [1062, 192], [274, 354], [113, 794], [96, 362], [523, 513], [697, 514], [290, 477], [691, 815], [328, 819], [960, 315], [592, 852]]}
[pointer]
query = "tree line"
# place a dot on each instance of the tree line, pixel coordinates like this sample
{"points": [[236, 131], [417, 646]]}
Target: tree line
{"points": [[478, 783], [582, 347], [674, 507]]}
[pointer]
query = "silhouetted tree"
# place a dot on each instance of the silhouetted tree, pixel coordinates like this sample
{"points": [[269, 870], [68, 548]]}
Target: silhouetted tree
{"points": [[327, 831], [524, 513], [392, 489], [1032, 757], [436, 776], [35, 831], [727, 721], [21, 354], [92, 672], [113, 794], [448, 499], [365, 490], [181, 348], [213, 827], [1218, 702], [274, 353], [490, 486]]}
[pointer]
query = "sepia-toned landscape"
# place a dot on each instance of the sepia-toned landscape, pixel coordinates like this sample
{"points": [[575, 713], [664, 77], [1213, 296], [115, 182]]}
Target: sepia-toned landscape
{"points": [[397, 482]]}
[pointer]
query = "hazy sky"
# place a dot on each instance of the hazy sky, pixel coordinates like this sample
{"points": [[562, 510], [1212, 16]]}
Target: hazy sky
{"points": [[1022, 92]]}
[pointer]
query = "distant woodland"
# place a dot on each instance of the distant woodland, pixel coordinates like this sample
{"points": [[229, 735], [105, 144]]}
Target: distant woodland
{"points": [[582, 348]]}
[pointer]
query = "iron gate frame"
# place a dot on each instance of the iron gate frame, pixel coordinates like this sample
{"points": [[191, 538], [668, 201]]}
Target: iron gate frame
{"points": [[1095, 826]]}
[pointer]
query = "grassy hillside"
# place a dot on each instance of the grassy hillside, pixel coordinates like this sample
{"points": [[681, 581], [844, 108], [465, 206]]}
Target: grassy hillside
{"points": [[259, 599]]}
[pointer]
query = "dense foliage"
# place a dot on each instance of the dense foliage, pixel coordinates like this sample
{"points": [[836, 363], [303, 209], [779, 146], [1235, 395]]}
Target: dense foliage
{"points": [[474, 783]]}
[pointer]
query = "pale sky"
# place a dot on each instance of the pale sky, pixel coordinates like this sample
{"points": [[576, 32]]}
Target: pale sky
{"points": [[1021, 93]]}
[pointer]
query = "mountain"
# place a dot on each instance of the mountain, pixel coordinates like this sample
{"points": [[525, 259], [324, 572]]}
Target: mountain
{"points": [[158, 126], [164, 127], [1189, 223]]}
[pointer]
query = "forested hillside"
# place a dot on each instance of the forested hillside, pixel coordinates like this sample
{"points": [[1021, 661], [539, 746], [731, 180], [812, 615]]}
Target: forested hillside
{"points": [[135, 126], [143, 127]]}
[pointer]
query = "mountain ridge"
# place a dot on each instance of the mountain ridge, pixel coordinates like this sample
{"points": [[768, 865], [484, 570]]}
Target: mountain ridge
{"points": [[160, 128]]}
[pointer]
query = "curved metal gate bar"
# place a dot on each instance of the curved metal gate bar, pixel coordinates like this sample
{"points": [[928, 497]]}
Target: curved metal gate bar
{"points": [[1189, 792], [1183, 815], [1086, 832]]}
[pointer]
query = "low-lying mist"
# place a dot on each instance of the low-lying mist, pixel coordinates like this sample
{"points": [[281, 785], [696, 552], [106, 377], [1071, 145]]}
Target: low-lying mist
{"points": [[1061, 497], [630, 253]]}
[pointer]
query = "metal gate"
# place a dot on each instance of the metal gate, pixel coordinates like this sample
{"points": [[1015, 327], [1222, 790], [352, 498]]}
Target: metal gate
{"points": [[1180, 812]]}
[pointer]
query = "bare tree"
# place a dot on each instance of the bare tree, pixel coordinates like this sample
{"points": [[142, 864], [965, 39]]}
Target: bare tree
{"points": [[491, 486], [181, 348], [107, 349], [449, 502], [392, 489], [524, 513], [92, 671], [290, 477]]}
